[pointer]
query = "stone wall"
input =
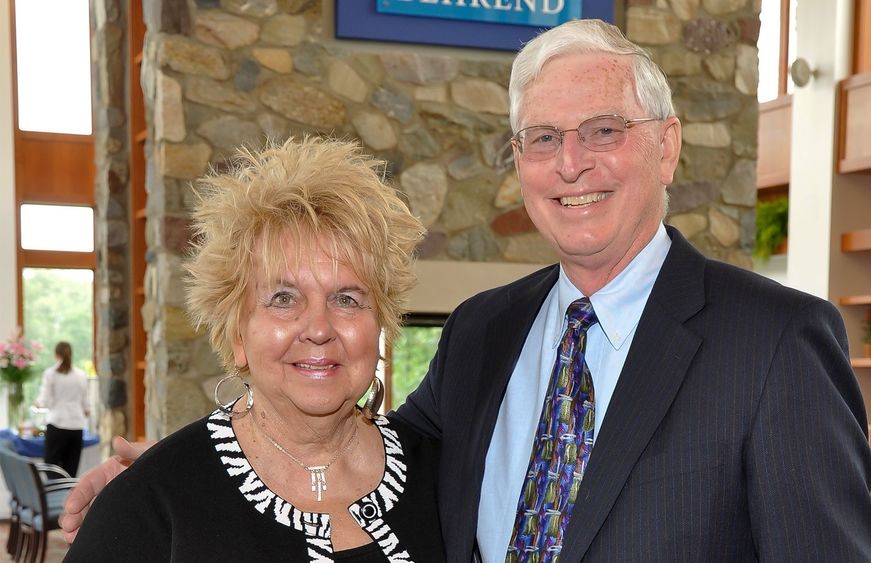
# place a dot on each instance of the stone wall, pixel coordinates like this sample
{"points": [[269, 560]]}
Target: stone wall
{"points": [[218, 73], [708, 50], [112, 227]]}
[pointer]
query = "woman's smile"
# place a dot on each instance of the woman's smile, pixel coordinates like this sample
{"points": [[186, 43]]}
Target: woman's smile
{"points": [[310, 337]]}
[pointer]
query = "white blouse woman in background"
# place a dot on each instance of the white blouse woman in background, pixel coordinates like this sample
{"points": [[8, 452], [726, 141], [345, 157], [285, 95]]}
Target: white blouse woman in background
{"points": [[64, 393]]}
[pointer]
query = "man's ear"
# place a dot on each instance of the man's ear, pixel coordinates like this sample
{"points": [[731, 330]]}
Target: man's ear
{"points": [[670, 144]]}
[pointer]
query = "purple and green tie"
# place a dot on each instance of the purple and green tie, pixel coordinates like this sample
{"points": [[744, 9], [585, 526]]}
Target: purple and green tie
{"points": [[561, 448]]}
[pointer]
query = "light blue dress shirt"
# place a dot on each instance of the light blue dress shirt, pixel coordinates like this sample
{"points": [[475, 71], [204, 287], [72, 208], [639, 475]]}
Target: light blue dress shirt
{"points": [[618, 307]]}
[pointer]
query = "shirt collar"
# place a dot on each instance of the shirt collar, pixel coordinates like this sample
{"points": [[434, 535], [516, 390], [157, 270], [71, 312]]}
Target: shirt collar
{"points": [[620, 303]]}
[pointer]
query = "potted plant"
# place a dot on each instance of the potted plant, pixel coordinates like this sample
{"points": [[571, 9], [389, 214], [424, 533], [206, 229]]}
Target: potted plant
{"points": [[17, 355], [772, 220]]}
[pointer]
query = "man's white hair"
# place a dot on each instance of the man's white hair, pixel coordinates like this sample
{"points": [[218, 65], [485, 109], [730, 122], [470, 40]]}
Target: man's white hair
{"points": [[589, 36]]}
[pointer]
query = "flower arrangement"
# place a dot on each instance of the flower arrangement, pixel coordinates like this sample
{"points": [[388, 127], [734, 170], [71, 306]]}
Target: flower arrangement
{"points": [[17, 355]]}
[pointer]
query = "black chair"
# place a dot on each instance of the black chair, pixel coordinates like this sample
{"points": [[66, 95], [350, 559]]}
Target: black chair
{"points": [[6, 447], [39, 491]]}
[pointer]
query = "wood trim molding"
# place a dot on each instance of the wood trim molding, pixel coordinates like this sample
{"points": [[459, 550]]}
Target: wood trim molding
{"points": [[860, 362], [40, 136], [852, 165], [56, 259], [777, 103], [855, 300], [862, 36], [854, 122], [775, 131], [856, 241], [783, 66], [138, 134]]}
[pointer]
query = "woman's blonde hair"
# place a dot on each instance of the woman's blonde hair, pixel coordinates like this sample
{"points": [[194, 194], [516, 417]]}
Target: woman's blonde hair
{"points": [[319, 189]]}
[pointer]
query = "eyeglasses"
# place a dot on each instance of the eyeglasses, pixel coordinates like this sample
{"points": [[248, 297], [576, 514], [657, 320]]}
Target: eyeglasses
{"points": [[600, 134]]}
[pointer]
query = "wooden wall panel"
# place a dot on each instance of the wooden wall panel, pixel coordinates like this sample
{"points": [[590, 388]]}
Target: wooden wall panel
{"points": [[855, 117], [138, 199], [856, 241], [862, 37], [775, 130], [52, 168], [52, 259]]}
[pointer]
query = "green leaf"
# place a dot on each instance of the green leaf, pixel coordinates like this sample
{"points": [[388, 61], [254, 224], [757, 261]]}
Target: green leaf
{"points": [[772, 220]]}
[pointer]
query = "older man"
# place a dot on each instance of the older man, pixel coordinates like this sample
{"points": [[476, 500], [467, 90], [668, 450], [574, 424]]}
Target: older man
{"points": [[637, 401], [721, 418]]}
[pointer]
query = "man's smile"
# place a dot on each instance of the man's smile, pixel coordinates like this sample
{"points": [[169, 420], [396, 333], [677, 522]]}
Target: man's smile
{"points": [[582, 200]]}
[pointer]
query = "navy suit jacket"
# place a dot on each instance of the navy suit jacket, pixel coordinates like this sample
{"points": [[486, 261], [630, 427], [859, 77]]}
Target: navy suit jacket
{"points": [[737, 430]]}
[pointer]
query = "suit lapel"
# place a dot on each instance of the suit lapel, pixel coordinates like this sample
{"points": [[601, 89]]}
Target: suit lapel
{"points": [[508, 329], [502, 342], [661, 353]]}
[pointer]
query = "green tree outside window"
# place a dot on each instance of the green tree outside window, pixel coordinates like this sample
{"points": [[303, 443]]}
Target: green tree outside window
{"points": [[412, 352], [58, 305]]}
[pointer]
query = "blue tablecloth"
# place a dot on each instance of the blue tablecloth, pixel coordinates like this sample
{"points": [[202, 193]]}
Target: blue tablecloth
{"points": [[35, 446]]}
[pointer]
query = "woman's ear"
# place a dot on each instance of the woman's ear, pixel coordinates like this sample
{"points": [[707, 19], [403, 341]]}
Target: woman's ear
{"points": [[240, 358], [670, 144]]}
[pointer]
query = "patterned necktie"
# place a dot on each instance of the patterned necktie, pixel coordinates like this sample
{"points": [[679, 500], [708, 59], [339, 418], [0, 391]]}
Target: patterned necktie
{"points": [[561, 448]]}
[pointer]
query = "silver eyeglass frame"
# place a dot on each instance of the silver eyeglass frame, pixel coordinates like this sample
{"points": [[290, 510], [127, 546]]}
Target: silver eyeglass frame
{"points": [[627, 123]]}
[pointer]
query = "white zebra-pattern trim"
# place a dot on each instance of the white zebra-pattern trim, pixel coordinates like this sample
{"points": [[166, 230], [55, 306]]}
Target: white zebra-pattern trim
{"points": [[368, 511]]}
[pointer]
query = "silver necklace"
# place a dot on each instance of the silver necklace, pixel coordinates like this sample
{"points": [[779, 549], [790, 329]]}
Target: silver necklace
{"points": [[318, 473]]}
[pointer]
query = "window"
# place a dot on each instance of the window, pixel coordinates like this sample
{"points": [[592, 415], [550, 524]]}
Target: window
{"points": [[57, 227], [54, 82], [777, 41], [409, 359], [54, 178], [58, 305]]}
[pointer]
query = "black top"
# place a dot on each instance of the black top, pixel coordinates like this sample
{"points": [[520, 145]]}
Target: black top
{"points": [[369, 553], [194, 497]]}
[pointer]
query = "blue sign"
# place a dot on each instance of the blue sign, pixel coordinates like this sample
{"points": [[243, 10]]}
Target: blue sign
{"points": [[536, 13], [362, 19]]}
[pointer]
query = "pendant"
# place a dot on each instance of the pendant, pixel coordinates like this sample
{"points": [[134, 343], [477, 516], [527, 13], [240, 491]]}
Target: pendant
{"points": [[319, 479]]}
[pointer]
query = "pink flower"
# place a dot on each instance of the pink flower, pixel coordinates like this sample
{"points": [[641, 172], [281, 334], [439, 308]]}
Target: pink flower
{"points": [[18, 352]]}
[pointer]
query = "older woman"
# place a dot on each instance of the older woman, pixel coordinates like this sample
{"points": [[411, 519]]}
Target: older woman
{"points": [[302, 258]]}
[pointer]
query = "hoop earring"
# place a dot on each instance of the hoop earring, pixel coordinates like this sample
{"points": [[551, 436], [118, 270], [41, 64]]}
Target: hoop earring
{"points": [[228, 407], [373, 401]]}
